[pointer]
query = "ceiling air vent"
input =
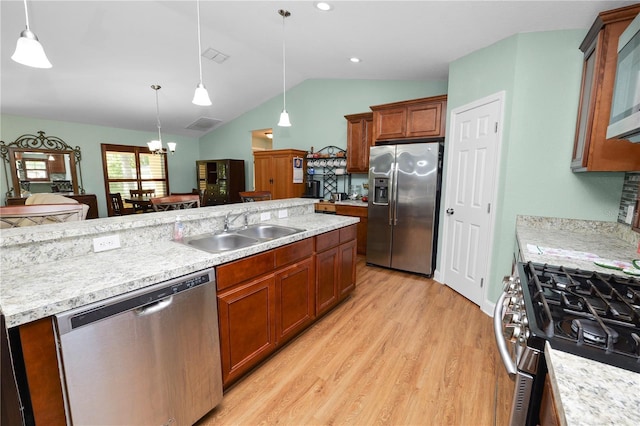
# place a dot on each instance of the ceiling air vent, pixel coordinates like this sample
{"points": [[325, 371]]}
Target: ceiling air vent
{"points": [[214, 55], [204, 124]]}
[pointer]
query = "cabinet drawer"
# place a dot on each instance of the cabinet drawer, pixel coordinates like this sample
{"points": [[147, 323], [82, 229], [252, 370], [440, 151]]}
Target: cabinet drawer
{"points": [[327, 240], [357, 211], [325, 207], [347, 234], [233, 273], [293, 252]]}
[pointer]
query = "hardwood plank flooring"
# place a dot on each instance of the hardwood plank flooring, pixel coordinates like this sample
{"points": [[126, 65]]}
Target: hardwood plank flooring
{"points": [[402, 350]]}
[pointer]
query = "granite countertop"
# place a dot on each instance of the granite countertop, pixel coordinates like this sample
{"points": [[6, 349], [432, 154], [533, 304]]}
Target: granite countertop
{"points": [[54, 286], [592, 393], [587, 392], [578, 240]]}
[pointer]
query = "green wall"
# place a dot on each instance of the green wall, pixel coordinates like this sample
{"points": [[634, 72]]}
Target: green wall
{"points": [[540, 73], [182, 170], [316, 109]]}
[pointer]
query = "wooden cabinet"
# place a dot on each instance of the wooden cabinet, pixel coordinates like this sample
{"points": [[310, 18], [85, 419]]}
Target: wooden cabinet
{"points": [[247, 326], [274, 172], [56, 165], [295, 299], [362, 213], [359, 140], [413, 119], [41, 373], [548, 409], [221, 181], [266, 299], [335, 267], [592, 151], [263, 301]]}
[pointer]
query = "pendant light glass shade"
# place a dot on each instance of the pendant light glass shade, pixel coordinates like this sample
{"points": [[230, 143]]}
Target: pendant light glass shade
{"points": [[29, 51], [284, 116], [201, 96], [284, 119]]}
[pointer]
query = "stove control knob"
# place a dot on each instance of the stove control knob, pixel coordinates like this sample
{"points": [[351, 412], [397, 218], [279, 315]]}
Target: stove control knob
{"points": [[525, 320], [516, 331]]}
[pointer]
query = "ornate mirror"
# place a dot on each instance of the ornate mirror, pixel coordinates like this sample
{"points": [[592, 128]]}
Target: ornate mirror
{"points": [[41, 164]]}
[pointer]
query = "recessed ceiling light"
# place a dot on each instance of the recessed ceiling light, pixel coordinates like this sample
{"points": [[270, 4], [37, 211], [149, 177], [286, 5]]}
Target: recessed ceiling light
{"points": [[323, 6], [354, 60]]}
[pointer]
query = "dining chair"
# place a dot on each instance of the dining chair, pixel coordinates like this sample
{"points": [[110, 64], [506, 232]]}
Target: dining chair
{"points": [[250, 196], [117, 205], [175, 202], [142, 192], [48, 198], [39, 214]]}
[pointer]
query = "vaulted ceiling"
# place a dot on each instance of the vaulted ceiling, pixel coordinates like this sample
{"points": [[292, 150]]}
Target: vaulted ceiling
{"points": [[107, 54]]}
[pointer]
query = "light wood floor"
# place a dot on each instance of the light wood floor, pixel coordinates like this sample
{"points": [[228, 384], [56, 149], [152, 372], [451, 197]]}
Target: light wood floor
{"points": [[402, 350]]}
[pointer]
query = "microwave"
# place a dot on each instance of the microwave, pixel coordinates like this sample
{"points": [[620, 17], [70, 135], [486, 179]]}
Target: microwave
{"points": [[625, 109]]}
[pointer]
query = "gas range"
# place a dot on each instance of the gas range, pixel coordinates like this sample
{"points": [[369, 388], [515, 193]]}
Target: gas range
{"points": [[586, 313]]}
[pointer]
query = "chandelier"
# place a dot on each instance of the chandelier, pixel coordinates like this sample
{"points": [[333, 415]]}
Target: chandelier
{"points": [[155, 146]]}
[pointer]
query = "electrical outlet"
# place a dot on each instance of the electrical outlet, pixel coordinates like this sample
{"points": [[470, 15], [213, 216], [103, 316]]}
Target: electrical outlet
{"points": [[109, 242], [282, 214], [265, 216]]}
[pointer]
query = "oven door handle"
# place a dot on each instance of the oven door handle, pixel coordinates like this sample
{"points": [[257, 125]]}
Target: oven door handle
{"points": [[509, 364]]}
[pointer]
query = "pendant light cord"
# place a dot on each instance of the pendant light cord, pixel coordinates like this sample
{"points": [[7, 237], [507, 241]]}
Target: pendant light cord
{"points": [[26, 13], [284, 66], [156, 88], [199, 45]]}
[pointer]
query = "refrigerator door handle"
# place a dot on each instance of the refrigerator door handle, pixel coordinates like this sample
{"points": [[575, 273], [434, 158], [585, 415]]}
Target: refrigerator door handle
{"points": [[391, 195], [394, 194]]}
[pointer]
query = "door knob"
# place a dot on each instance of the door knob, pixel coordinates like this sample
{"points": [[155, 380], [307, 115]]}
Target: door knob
{"points": [[450, 211]]}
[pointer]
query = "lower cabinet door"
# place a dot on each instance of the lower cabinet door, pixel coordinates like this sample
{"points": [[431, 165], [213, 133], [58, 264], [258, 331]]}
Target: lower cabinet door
{"points": [[295, 299], [247, 326], [327, 274], [347, 280]]}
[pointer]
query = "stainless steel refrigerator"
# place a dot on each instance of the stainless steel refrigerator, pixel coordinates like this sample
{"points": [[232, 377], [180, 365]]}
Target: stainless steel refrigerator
{"points": [[404, 195]]}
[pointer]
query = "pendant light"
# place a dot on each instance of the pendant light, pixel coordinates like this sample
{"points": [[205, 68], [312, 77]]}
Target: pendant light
{"points": [[284, 116], [29, 51], [201, 96], [155, 146]]}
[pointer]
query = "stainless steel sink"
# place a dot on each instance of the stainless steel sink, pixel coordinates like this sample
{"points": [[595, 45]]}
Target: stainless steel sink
{"points": [[215, 243], [240, 238], [267, 232]]}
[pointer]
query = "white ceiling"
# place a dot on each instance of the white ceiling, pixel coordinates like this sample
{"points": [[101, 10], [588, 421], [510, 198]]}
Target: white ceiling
{"points": [[107, 54]]}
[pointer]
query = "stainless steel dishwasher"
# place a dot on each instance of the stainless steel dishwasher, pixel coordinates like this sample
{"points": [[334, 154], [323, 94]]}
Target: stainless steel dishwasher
{"points": [[148, 357]]}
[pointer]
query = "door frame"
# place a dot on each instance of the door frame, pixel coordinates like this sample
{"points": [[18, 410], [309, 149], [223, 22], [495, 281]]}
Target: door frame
{"points": [[440, 274]]}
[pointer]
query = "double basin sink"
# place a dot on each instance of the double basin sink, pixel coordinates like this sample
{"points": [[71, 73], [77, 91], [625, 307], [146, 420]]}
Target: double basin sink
{"points": [[239, 238]]}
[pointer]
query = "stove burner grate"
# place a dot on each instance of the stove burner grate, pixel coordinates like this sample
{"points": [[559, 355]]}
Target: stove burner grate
{"points": [[592, 331]]}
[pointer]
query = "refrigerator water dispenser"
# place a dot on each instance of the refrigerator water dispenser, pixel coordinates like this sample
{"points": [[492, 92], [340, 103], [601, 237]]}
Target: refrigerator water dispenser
{"points": [[381, 191]]}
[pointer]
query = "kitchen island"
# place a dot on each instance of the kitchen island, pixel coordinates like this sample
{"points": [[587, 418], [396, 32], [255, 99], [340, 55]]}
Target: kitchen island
{"points": [[586, 392], [52, 268]]}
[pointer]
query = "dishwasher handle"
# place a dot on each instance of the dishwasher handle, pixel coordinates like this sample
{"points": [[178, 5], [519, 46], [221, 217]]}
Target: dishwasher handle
{"points": [[154, 307]]}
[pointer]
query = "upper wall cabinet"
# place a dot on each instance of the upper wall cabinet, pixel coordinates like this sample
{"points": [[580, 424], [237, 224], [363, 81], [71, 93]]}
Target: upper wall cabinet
{"points": [[414, 119], [592, 151], [359, 140]]}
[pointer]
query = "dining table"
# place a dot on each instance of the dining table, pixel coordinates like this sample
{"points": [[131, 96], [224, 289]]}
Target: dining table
{"points": [[140, 203]]}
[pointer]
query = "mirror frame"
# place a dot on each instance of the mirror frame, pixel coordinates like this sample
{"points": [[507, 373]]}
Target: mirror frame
{"points": [[44, 144]]}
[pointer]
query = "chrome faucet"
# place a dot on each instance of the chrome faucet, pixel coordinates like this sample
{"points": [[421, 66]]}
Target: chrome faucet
{"points": [[227, 221]]}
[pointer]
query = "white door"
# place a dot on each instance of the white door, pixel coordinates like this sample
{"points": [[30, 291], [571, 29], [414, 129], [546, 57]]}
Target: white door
{"points": [[470, 190]]}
